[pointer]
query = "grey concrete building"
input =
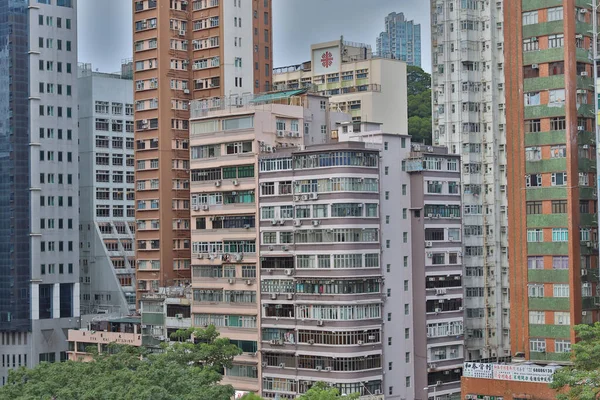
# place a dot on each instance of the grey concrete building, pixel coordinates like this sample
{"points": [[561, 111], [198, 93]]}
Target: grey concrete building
{"points": [[107, 192], [437, 257], [39, 294]]}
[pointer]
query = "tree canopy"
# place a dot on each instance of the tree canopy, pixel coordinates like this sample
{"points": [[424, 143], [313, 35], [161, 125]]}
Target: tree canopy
{"points": [[581, 380], [183, 371], [419, 104]]}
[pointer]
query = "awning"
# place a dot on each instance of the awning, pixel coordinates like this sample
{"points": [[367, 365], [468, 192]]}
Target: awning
{"points": [[269, 97]]}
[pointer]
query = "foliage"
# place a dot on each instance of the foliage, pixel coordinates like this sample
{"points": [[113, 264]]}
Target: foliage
{"points": [[184, 371], [320, 391], [419, 104], [581, 380]]}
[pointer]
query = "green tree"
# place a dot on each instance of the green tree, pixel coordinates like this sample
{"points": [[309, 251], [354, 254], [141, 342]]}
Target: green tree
{"points": [[419, 104], [581, 380], [321, 391], [184, 371]]}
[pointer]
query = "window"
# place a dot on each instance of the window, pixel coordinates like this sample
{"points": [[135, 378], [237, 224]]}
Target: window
{"points": [[530, 18], [559, 206], [560, 235], [532, 99], [556, 41], [562, 346], [560, 262], [537, 317], [534, 262], [535, 290], [534, 207], [555, 14], [559, 179], [562, 318], [537, 345], [535, 235], [560, 290]]}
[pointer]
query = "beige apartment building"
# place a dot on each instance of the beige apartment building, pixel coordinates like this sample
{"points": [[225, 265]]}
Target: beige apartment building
{"points": [[226, 139], [369, 87], [184, 50]]}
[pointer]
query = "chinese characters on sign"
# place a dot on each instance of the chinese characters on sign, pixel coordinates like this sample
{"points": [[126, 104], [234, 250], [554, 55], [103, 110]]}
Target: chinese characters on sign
{"points": [[478, 370], [523, 373], [509, 372]]}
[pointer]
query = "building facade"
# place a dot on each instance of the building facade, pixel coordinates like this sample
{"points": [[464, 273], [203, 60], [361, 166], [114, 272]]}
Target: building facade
{"points": [[201, 49], [226, 140], [107, 215], [321, 283], [468, 118], [39, 298], [369, 88], [400, 40], [436, 201], [552, 176]]}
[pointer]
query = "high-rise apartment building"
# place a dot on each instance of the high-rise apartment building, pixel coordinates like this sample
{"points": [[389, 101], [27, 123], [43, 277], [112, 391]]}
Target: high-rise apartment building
{"points": [[468, 117], [552, 176], [321, 281], [226, 140], [39, 256], [106, 168], [400, 40], [436, 225], [184, 50], [368, 87]]}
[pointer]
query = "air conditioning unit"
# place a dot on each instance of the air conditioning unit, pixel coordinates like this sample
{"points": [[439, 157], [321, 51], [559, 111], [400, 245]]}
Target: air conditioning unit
{"points": [[584, 272], [217, 183], [186, 91], [239, 257], [296, 198], [584, 73], [318, 368], [297, 134], [327, 369], [196, 208], [291, 134], [535, 66], [271, 248], [360, 342], [439, 383], [429, 255], [289, 271], [585, 146], [284, 248], [581, 128], [297, 222], [316, 222], [438, 310], [205, 207], [264, 364], [282, 365], [231, 281], [320, 323], [179, 316], [274, 222], [249, 282], [290, 296], [428, 244], [280, 134], [235, 182], [314, 196], [200, 255], [181, 32], [304, 197], [273, 296], [311, 341]]}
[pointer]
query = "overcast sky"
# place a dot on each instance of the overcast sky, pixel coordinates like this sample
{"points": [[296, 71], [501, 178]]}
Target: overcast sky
{"points": [[105, 35]]}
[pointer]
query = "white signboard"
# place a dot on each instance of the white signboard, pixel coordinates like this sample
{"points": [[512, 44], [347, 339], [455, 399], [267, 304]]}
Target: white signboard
{"points": [[478, 370], [326, 60], [523, 373]]}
